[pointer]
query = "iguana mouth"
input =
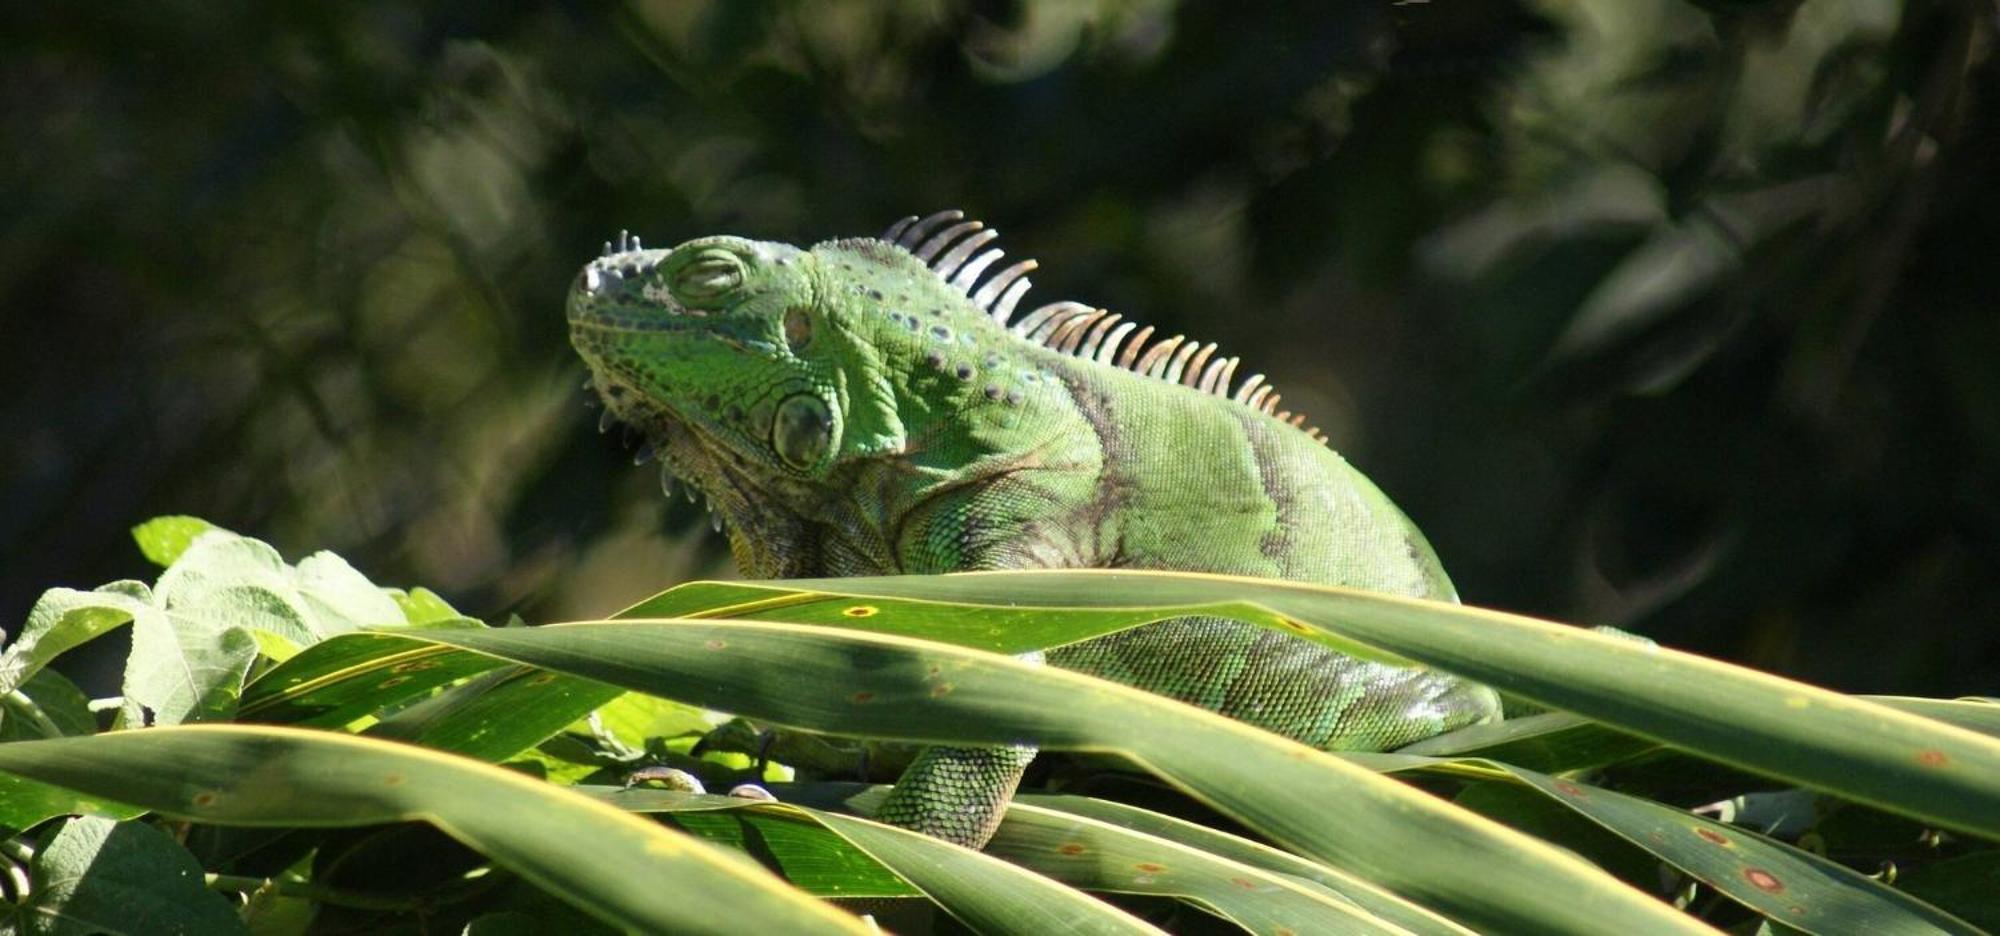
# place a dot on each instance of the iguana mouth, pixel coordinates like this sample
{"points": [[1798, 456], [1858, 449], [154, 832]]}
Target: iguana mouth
{"points": [[689, 459]]}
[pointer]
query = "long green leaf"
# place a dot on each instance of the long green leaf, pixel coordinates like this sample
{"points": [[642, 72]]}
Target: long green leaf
{"points": [[1102, 855], [885, 686], [622, 869], [1551, 742], [986, 893], [1793, 886], [1097, 855], [1379, 902], [1861, 750]]}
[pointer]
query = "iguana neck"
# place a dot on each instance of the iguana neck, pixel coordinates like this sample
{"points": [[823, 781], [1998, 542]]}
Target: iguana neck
{"points": [[973, 420]]}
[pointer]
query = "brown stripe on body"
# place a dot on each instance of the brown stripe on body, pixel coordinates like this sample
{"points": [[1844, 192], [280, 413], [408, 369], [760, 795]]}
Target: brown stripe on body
{"points": [[1281, 484], [1093, 522]]}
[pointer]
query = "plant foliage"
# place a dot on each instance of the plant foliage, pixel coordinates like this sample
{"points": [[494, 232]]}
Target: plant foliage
{"points": [[316, 724]]}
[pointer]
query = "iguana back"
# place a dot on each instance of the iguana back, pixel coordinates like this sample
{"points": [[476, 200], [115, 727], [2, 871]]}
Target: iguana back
{"points": [[871, 406]]}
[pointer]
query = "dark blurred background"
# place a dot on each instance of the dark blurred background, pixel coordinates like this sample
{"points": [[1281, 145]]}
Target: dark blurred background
{"points": [[1671, 315]]}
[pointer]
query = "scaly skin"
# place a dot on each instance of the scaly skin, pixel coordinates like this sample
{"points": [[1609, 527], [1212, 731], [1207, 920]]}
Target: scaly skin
{"points": [[848, 411]]}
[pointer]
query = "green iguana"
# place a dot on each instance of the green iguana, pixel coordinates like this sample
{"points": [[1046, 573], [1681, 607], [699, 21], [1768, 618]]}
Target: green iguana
{"points": [[873, 406]]}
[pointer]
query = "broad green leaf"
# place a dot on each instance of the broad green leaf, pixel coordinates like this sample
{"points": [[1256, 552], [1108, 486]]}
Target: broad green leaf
{"points": [[182, 667], [622, 869], [48, 705], [99, 876], [1848, 746], [224, 599], [64, 618], [234, 581], [187, 666], [827, 680], [163, 539]]}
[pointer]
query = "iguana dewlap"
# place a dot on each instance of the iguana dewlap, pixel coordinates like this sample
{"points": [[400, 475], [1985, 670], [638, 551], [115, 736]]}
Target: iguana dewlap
{"points": [[874, 406]]}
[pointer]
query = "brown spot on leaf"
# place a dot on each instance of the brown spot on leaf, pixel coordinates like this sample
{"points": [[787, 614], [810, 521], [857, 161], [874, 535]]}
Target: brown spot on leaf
{"points": [[1243, 883], [862, 698], [1932, 758], [1712, 836], [1567, 788], [392, 682], [205, 799], [716, 643], [394, 779], [1763, 880], [1070, 848], [941, 690], [1149, 867], [414, 666], [860, 611], [542, 679]]}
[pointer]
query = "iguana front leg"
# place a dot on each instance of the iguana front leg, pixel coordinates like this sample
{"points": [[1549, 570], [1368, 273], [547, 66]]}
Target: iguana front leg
{"points": [[959, 794], [956, 794]]}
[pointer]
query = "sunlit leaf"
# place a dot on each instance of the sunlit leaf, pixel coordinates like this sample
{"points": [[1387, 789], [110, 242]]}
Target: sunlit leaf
{"points": [[624, 870], [1842, 744]]}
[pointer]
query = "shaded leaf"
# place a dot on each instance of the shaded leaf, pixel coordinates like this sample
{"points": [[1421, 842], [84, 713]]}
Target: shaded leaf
{"points": [[99, 876]]}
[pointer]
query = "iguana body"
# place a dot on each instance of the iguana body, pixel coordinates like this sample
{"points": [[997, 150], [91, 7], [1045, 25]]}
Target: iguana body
{"points": [[864, 407]]}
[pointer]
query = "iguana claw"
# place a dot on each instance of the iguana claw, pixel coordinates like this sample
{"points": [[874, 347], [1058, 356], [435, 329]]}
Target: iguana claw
{"points": [[738, 736]]}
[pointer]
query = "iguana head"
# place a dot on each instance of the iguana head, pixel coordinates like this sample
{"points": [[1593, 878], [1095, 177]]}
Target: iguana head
{"points": [[756, 369]]}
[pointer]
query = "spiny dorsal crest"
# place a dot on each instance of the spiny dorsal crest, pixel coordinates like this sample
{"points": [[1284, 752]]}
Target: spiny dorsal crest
{"points": [[949, 245]]}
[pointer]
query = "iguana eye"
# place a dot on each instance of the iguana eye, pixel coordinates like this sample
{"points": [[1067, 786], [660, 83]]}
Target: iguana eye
{"points": [[711, 275], [803, 430]]}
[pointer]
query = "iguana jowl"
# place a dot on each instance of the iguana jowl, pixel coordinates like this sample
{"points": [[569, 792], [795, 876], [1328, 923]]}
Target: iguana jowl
{"points": [[872, 406]]}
